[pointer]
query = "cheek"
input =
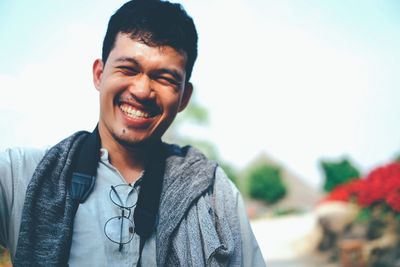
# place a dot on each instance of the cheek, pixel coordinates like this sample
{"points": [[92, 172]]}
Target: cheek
{"points": [[171, 104], [106, 103], [114, 84], [169, 97], [110, 91]]}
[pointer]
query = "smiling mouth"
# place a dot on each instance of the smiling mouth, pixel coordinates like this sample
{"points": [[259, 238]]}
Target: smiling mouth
{"points": [[134, 113]]}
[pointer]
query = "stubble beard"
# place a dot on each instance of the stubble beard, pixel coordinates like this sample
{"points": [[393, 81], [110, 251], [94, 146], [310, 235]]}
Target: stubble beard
{"points": [[133, 144]]}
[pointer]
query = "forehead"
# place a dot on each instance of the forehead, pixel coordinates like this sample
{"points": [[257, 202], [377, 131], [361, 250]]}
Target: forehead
{"points": [[127, 47]]}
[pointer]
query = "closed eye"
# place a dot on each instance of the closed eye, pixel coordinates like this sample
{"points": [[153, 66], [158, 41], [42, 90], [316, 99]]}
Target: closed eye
{"points": [[128, 70], [166, 76], [172, 81]]}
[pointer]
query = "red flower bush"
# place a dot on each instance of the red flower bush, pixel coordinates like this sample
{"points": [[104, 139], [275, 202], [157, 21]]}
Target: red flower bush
{"points": [[381, 186], [346, 192]]}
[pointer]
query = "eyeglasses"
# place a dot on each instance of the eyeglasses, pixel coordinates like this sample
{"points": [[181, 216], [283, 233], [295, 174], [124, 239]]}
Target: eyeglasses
{"points": [[120, 229]]}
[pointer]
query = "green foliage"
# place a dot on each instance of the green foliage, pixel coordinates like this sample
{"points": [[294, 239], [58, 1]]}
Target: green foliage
{"points": [[397, 158], [195, 113], [364, 216], [337, 173], [285, 212], [265, 183]]}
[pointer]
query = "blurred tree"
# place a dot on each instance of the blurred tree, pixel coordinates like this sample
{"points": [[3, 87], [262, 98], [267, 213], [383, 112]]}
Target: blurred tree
{"points": [[194, 114], [397, 158], [338, 172], [265, 183]]}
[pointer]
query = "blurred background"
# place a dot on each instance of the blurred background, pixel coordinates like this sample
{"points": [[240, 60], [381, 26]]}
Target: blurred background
{"points": [[297, 101]]}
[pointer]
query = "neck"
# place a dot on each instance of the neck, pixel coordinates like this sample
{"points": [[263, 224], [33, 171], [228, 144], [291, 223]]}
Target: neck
{"points": [[130, 161]]}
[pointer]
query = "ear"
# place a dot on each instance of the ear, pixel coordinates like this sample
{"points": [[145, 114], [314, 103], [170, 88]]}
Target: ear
{"points": [[97, 70], [187, 93]]}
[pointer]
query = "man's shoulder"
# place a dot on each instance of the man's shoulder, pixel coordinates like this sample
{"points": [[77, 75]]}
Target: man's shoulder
{"points": [[192, 154], [224, 186], [22, 157], [25, 152], [185, 155], [182, 151]]}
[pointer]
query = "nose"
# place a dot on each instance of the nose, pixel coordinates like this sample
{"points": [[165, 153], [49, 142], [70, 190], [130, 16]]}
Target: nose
{"points": [[140, 88]]}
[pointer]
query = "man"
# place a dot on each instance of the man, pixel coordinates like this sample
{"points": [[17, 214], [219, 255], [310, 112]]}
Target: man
{"points": [[119, 196]]}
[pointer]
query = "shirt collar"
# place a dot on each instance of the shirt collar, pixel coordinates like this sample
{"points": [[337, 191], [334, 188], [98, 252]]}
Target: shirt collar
{"points": [[104, 155], [105, 159]]}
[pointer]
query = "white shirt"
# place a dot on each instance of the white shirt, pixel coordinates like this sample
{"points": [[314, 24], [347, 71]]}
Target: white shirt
{"points": [[90, 246]]}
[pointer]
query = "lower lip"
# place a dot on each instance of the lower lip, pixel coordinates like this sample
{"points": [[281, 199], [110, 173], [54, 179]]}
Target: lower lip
{"points": [[138, 122]]}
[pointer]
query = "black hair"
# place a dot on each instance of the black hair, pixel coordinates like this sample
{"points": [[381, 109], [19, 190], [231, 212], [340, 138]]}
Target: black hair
{"points": [[154, 23]]}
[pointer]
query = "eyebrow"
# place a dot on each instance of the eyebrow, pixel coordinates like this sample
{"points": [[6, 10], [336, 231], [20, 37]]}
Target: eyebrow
{"points": [[127, 59], [176, 74]]}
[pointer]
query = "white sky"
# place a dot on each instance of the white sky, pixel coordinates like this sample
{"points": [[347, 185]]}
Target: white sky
{"points": [[297, 80]]}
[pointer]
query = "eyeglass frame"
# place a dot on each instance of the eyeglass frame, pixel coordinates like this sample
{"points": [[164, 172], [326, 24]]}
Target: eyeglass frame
{"points": [[122, 216]]}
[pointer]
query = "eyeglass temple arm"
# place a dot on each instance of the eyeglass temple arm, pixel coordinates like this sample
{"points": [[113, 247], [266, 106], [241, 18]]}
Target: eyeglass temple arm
{"points": [[115, 191], [120, 235]]}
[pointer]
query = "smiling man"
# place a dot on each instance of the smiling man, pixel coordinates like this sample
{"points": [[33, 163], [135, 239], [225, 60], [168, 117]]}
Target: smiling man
{"points": [[142, 87], [119, 196]]}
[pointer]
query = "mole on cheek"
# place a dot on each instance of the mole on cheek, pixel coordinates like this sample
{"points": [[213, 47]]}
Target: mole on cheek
{"points": [[123, 131]]}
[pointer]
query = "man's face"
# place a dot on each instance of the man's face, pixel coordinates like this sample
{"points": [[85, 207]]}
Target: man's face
{"points": [[142, 88]]}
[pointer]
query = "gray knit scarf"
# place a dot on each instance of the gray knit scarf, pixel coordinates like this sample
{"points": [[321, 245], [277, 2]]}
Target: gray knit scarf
{"points": [[47, 221]]}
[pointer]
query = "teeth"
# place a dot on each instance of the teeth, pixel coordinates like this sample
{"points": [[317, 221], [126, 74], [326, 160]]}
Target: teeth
{"points": [[134, 113]]}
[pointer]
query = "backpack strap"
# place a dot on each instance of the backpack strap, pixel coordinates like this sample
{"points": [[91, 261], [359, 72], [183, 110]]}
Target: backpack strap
{"points": [[85, 169]]}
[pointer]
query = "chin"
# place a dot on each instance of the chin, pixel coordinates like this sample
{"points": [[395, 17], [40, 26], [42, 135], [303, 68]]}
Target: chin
{"points": [[132, 143]]}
